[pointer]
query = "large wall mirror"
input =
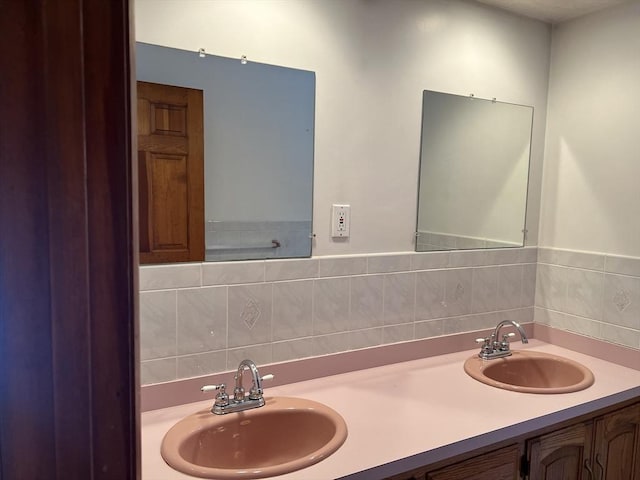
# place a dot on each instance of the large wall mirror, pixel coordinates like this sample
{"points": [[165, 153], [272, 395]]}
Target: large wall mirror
{"points": [[258, 140], [474, 169]]}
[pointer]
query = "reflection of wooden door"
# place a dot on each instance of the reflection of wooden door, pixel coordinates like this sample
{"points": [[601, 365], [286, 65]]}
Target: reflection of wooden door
{"points": [[171, 173]]}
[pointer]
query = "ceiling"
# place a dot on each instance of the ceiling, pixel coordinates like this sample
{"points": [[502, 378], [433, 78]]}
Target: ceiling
{"points": [[552, 11]]}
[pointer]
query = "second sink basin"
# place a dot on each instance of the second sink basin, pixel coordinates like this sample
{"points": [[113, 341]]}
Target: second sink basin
{"points": [[531, 372], [285, 435]]}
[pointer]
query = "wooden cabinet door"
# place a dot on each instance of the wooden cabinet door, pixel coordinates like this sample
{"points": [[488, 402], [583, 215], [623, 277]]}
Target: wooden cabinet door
{"points": [[500, 464], [617, 445], [562, 455], [171, 173]]}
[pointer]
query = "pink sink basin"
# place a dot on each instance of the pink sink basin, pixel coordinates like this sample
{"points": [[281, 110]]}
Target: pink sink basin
{"points": [[285, 435], [531, 372]]}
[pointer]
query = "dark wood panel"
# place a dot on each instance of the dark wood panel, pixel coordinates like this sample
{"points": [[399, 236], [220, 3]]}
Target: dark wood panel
{"points": [[617, 445], [68, 269], [26, 417], [170, 205], [565, 454], [501, 464]]}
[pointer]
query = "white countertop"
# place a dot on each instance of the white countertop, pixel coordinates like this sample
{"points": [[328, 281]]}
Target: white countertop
{"points": [[399, 414]]}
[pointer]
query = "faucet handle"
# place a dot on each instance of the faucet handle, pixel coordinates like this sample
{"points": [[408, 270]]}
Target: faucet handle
{"points": [[212, 388], [504, 344], [256, 390], [222, 398]]}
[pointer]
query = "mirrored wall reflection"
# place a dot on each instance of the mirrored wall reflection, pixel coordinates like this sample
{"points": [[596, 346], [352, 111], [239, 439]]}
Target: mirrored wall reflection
{"points": [[258, 150], [474, 169]]}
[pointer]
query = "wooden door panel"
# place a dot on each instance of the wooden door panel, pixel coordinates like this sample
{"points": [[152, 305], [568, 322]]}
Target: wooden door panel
{"points": [[168, 119], [617, 445], [561, 455], [171, 173], [169, 208]]}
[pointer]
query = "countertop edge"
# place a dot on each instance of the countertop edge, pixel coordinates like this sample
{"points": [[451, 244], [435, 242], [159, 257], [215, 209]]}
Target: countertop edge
{"points": [[491, 438]]}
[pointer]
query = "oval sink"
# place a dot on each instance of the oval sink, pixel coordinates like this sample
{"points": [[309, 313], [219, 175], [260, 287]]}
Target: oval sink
{"points": [[286, 434], [531, 372]]}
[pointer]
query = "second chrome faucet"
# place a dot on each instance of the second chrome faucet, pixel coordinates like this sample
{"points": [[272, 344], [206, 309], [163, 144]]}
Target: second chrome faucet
{"points": [[493, 347], [224, 404]]}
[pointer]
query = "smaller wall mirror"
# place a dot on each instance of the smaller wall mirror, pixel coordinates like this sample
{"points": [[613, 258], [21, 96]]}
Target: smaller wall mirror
{"points": [[258, 150], [474, 170]]}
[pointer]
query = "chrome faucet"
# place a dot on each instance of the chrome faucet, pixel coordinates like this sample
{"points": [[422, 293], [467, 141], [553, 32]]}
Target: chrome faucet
{"points": [[492, 347], [223, 404]]}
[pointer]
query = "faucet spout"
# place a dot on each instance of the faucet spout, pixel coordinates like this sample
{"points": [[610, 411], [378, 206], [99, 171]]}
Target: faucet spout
{"points": [[523, 335], [223, 404], [256, 388]]}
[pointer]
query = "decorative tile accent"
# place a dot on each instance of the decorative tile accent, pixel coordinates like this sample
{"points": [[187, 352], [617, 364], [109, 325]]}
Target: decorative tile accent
{"points": [[622, 300], [250, 313]]}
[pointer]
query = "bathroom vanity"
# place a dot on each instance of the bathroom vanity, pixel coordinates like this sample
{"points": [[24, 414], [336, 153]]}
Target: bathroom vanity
{"points": [[428, 419]]}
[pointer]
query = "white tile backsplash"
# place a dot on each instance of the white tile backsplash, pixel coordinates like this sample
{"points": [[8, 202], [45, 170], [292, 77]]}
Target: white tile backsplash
{"points": [[399, 298], [330, 305], [159, 277], [202, 320], [158, 324], [589, 293], [280, 310], [366, 301], [230, 273], [292, 309]]}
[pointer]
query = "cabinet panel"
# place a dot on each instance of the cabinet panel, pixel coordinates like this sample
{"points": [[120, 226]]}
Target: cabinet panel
{"points": [[562, 455], [500, 464], [617, 445]]}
